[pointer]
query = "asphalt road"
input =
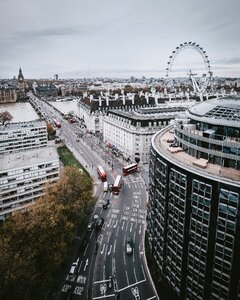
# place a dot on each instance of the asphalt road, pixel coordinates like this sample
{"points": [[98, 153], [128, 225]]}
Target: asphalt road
{"points": [[103, 252]]}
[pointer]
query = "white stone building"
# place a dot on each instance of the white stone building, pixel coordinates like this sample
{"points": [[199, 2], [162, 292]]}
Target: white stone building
{"points": [[23, 177], [22, 136], [131, 132]]}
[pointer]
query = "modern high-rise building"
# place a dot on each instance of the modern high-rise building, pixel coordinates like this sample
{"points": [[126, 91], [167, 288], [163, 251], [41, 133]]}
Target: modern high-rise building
{"points": [[193, 219]]}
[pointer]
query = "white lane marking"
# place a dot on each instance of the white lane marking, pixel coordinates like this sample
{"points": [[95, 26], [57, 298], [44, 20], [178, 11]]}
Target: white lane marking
{"points": [[127, 277], [134, 271], [113, 266], [110, 249], [124, 258], [117, 232], [103, 297], [103, 249], [143, 272], [85, 250], [91, 234], [153, 297], [115, 225], [123, 224], [126, 287], [131, 227], [109, 223], [114, 246], [86, 264], [127, 226]]}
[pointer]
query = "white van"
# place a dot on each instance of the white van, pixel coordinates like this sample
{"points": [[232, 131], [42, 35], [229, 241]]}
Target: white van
{"points": [[105, 186]]}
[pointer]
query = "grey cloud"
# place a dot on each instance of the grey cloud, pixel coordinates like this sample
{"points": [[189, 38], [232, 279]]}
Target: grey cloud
{"points": [[47, 32]]}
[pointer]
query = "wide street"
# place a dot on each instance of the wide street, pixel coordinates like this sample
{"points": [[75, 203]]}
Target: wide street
{"points": [[104, 269]]}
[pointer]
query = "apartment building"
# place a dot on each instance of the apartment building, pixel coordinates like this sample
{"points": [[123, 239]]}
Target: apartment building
{"points": [[23, 177], [193, 218], [22, 136]]}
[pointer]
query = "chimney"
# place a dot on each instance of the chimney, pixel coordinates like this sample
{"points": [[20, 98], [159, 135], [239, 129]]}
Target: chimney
{"points": [[123, 99], [116, 96], [147, 97], [132, 98], [107, 101], [100, 100], [91, 98]]}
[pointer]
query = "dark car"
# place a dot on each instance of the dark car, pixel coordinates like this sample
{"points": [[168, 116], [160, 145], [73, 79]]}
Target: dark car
{"points": [[90, 226], [99, 223], [105, 204], [110, 282]]}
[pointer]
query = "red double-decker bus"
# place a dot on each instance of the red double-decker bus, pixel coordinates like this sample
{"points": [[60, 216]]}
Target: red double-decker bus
{"points": [[130, 169], [117, 185], [101, 173]]}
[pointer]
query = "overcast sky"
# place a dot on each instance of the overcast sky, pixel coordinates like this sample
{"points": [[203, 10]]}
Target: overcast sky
{"points": [[122, 38]]}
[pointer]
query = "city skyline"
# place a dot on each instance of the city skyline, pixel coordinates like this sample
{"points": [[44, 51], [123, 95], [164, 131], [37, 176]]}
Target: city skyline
{"points": [[113, 39]]}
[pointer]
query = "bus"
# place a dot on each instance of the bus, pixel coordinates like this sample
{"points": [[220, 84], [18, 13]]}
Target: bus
{"points": [[57, 123], [101, 173], [130, 169], [117, 185]]}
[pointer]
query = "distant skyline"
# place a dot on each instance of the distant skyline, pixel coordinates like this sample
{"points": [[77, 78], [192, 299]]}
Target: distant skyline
{"points": [[113, 38]]}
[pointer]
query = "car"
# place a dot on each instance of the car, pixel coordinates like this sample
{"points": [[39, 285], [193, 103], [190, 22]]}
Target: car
{"points": [[73, 269], [110, 187], [90, 226], [77, 140], [110, 282], [129, 245], [105, 186], [99, 223], [105, 204]]}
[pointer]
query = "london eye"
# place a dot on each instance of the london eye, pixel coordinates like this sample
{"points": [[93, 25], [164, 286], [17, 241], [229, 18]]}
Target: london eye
{"points": [[198, 87]]}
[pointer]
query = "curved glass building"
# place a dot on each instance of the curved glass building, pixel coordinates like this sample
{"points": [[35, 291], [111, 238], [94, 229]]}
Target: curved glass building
{"points": [[193, 219]]}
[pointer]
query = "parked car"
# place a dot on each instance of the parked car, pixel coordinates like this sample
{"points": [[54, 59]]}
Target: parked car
{"points": [[129, 245]]}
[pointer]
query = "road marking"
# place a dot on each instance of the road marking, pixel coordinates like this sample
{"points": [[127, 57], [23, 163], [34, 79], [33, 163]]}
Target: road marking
{"points": [[103, 249], [127, 277], [109, 223], [66, 288], [109, 251], [113, 266], [123, 225], [126, 287], [81, 279], [115, 224], [114, 246], [131, 227], [153, 297], [103, 297], [143, 272], [100, 238], [85, 250], [134, 271], [140, 229], [86, 264], [117, 232]]}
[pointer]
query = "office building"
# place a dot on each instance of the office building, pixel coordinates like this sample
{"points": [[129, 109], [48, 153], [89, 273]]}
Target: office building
{"points": [[193, 219]]}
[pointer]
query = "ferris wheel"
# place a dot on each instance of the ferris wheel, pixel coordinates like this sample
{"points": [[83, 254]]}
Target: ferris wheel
{"points": [[198, 87]]}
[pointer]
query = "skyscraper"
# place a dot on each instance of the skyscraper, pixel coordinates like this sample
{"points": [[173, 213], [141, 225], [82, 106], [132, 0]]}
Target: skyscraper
{"points": [[193, 219]]}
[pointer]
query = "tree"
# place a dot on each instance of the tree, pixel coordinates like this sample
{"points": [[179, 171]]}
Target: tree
{"points": [[34, 243], [5, 116], [50, 130]]}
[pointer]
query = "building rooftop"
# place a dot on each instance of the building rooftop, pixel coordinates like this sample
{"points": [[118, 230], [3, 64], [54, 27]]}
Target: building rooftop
{"points": [[28, 158], [224, 111], [20, 125], [161, 142]]}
